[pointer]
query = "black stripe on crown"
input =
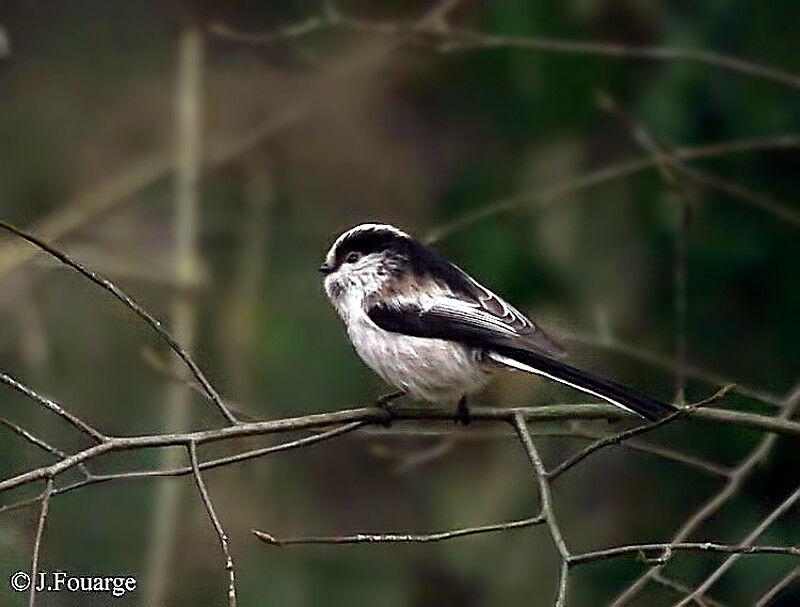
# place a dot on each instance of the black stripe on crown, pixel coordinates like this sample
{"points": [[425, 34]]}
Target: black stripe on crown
{"points": [[371, 240], [414, 256]]}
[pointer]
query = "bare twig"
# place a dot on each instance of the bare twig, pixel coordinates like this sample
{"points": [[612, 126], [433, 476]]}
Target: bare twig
{"points": [[681, 299], [673, 181], [433, 29], [315, 438], [692, 461], [618, 438], [621, 51], [571, 431], [183, 313], [76, 212], [83, 207], [448, 39], [238, 457], [34, 343], [683, 589], [771, 594], [223, 538], [406, 460], [223, 461], [637, 549], [394, 538], [377, 415], [713, 505], [437, 16], [53, 406], [612, 344], [358, 417], [31, 438], [37, 546], [673, 172], [521, 428], [165, 370], [131, 304], [548, 196], [710, 181], [747, 544], [243, 299]]}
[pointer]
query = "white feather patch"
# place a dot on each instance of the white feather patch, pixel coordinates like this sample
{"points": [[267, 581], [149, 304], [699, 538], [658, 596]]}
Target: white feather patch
{"points": [[523, 367]]}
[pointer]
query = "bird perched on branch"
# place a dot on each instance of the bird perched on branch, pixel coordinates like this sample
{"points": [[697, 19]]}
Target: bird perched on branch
{"points": [[433, 332]]}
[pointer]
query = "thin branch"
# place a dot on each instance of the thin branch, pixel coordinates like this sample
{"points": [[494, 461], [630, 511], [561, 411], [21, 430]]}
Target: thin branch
{"points": [[681, 300], [697, 463], [408, 460], [434, 20], [673, 171], [716, 502], [223, 461], [747, 544], [612, 344], [683, 589], [86, 206], [437, 16], [710, 181], [217, 463], [40, 443], [638, 549], [163, 369], [176, 412], [648, 142], [548, 196], [398, 538], [94, 479], [434, 28], [131, 304], [377, 415], [516, 416], [53, 406], [771, 594], [32, 439], [223, 538], [618, 438], [242, 301], [572, 431], [521, 428], [37, 546], [622, 51], [448, 39]]}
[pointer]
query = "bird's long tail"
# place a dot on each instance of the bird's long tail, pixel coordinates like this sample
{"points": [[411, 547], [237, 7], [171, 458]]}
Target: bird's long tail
{"points": [[611, 392]]}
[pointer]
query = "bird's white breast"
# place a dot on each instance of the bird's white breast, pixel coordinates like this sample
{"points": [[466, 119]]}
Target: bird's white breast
{"points": [[429, 369]]}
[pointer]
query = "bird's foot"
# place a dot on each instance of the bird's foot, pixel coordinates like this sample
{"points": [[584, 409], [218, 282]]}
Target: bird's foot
{"points": [[462, 412], [389, 408]]}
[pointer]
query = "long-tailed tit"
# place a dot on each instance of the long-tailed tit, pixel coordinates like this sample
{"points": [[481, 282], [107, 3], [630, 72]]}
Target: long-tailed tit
{"points": [[432, 331]]}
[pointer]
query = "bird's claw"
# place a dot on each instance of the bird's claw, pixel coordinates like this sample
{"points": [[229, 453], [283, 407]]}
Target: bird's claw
{"points": [[389, 408], [462, 412], [391, 413]]}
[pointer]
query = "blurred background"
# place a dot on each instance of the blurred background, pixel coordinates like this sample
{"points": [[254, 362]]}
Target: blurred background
{"points": [[204, 156]]}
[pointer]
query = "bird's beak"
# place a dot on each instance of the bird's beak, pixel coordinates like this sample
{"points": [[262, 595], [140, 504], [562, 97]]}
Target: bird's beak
{"points": [[326, 268]]}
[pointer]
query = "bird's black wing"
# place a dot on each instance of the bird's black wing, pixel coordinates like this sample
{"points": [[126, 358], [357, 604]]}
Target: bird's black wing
{"points": [[454, 306], [456, 319]]}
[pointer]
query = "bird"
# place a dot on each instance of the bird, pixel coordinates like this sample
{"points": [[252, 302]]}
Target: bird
{"points": [[436, 334]]}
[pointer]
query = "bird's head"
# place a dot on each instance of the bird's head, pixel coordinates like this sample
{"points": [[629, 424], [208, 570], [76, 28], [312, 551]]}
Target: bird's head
{"points": [[362, 259]]}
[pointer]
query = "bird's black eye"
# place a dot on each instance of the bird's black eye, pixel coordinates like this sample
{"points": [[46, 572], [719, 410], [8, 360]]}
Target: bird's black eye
{"points": [[352, 257]]}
